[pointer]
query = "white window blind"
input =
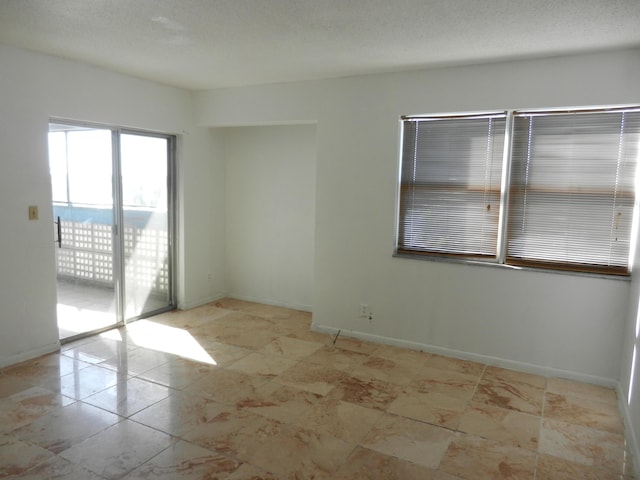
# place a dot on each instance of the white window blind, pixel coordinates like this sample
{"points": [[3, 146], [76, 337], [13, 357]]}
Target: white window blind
{"points": [[572, 189], [450, 184]]}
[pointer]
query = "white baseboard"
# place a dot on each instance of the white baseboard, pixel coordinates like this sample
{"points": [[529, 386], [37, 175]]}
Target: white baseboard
{"points": [[489, 360], [246, 298], [24, 356], [275, 303], [629, 433], [199, 302]]}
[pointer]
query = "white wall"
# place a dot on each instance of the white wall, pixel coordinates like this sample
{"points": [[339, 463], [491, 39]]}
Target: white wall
{"points": [[551, 323], [201, 218], [629, 387], [270, 213], [36, 87]]}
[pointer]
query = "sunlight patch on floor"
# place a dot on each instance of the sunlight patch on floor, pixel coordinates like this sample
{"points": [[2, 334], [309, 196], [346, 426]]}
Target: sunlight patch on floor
{"points": [[74, 320], [163, 338]]}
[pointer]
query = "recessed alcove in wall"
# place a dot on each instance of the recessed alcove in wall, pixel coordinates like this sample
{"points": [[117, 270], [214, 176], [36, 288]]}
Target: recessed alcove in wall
{"points": [[270, 186]]}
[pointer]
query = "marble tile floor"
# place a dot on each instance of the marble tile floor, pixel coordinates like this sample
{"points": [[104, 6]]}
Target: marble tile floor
{"points": [[84, 307], [236, 390]]}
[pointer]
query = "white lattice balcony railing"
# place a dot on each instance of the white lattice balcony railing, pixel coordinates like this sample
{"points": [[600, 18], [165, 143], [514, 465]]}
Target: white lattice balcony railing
{"points": [[86, 254]]}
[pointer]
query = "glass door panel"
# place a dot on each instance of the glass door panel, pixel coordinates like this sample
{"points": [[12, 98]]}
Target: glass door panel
{"points": [[145, 212], [81, 165]]}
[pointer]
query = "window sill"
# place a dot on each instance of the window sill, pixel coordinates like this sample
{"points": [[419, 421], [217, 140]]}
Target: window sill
{"points": [[495, 264]]}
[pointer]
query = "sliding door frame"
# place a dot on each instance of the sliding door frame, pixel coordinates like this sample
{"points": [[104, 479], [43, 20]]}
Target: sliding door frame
{"points": [[118, 220], [171, 220]]}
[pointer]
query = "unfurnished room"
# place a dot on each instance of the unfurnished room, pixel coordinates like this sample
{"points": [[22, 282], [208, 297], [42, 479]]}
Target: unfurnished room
{"points": [[320, 239]]}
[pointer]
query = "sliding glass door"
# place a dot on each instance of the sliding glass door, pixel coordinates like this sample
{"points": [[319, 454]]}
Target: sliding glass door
{"points": [[112, 203], [145, 218], [81, 165]]}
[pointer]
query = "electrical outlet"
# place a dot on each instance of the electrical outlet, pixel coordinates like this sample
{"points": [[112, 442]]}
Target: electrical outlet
{"points": [[364, 310]]}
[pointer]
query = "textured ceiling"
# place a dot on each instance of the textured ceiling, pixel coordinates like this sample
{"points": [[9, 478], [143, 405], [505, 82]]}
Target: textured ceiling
{"points": [[204, 44]]}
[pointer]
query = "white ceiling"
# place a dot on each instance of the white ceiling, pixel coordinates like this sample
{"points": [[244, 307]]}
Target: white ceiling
{"points": [[205, 44]]}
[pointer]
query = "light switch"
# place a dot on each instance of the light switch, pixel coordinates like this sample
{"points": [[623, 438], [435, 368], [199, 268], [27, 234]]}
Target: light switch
{"points": [[33, 212]]}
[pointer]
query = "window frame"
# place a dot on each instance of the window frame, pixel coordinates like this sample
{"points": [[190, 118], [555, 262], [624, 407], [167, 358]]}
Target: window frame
{"points": [[452, 189], [502, 258]]}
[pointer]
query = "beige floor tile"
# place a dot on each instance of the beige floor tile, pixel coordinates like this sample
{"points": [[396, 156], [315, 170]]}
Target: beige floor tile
{"points": [[290, 320], [583, 445], [222, 354], [185, 461], [505, 426], [291, 347], [365, 464], [354, 345], [311, 377], [249, 321], [17, 457], [175, 342], [45, 368], [472, 457], [238, 305], [10, 385], [429, 407], [298, 322], [338, 358], [249, 472], [227, 386], [409, 440], [179, 413], [271, 312], [237, 433], [386, 370], [88, 381], [303, 333], [454, 364], [292, 452], [279, 402], [503, 375], [518, 397], [440, 475], [64, 427], [263, 365], [191, 319], [57, 468], [553, 468], [209, 311], [447, 382], [583, 411], [119, 449], [339, 419], [137, 361], [585, 390], [26, 406], [127, 398], [213, 332], [366, 392], [247, 337], [178, 373], [98, 350], [403, 356]]}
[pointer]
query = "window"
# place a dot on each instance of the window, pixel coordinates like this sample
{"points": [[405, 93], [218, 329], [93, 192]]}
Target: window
{"points": [[78, 160], [560, 195], [450, 185]]}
